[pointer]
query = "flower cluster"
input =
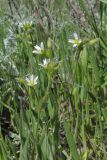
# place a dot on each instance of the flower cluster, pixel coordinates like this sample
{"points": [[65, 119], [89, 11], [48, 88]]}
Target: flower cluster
{"points": [[47, 63]]}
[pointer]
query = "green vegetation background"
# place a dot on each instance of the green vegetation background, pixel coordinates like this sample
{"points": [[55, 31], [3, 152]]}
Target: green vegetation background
{"points": [[64, 116]]}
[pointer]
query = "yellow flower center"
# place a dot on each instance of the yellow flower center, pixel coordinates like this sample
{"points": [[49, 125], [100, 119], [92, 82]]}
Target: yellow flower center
{"points": [[76, 41], [31, 83]]}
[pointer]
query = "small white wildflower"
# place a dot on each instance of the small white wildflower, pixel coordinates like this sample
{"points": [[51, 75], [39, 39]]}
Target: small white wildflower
{"points": [[45, 63], [39, 49], [76, 41], [31, 81]]}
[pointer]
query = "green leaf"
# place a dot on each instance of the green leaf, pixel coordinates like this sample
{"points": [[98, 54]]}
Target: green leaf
{"points": [[93, 41], [95, 67], [46, 149], [71, 142], [84, 59]]}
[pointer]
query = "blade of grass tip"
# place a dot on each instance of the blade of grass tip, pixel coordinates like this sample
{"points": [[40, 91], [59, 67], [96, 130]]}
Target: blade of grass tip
{"points": [[71, 142], [3, 153], [45, 147], [101, 13], [104, 1], [25, 149]]}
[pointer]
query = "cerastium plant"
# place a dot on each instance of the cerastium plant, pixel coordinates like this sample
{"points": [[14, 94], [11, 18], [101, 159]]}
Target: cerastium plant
{"points": [[53, 81]]}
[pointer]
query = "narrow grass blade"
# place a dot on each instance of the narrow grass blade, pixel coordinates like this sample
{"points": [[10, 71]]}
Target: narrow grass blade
{"points": [[71, 142]]}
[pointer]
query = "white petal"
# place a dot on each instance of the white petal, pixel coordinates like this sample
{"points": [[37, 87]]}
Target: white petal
{"points": [[44, 61], [32, 77], [41, 65], [35, 79], [75, 45], [37, 52], [42, 46], [34, 51], [27, 79], [79, 41], [37, 47], [75, 35], [71, 41]]}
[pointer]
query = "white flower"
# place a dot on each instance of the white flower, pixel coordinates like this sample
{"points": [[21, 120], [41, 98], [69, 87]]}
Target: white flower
{"points": [[25, 23], [76, 41], [45, 63], [31, 81], [39, 49]]}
